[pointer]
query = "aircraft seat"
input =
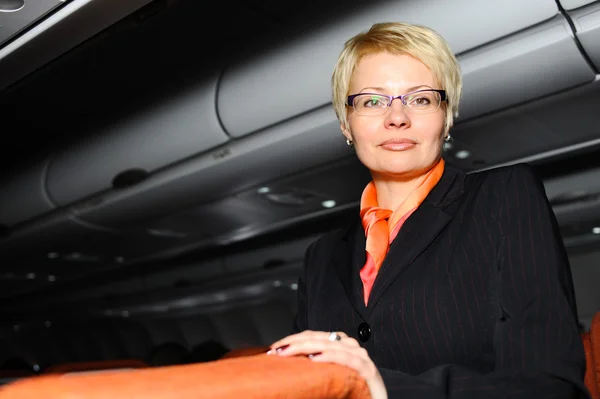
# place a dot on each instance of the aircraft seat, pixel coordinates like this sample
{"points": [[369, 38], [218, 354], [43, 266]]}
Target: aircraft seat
{"points": [[250, 377], [77, 367], [591, 344]]}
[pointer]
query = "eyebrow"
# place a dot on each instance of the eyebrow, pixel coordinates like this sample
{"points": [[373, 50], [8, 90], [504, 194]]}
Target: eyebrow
{"points": [[410, 89]]}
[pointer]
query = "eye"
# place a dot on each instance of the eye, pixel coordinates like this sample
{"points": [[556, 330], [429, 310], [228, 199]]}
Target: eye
{"points": [[420, 100], [373, 101]]}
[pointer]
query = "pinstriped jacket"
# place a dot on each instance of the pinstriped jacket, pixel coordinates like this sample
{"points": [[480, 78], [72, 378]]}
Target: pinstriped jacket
{"points": [[474, 300]]}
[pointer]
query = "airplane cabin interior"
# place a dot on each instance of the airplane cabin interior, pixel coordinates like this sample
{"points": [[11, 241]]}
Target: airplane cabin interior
{"points": [[165, 164]]}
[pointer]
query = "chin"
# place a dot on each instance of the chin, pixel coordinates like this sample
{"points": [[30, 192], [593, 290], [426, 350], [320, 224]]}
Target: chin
{"points": [[401, 169]]}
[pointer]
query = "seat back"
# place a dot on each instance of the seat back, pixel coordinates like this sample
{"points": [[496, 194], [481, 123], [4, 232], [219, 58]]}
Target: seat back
{"points": [[95, 366], [591, 344], [241, 352], [250, 377]]}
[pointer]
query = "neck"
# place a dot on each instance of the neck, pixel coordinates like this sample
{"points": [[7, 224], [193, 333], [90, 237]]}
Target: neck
{"points": [[392, 191]]}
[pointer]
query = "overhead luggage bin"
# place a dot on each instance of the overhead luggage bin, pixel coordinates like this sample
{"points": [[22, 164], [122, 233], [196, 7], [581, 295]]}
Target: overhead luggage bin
{"points": [[295, 145], [69, 24], [587, 22], [177, 128], [26, 15], [24, 195], [573, 4], [301, 69], [528, 65], [557, 122]]}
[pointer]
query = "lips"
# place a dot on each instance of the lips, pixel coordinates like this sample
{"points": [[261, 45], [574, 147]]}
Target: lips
{"points": [[399, 144]]}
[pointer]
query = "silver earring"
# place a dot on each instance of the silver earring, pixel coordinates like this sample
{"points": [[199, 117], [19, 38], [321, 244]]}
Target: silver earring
{"points": [[349, 142], [448, 137]]}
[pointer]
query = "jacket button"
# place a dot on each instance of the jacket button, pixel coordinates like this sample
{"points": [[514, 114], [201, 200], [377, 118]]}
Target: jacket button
{"points": [[364, 332]]}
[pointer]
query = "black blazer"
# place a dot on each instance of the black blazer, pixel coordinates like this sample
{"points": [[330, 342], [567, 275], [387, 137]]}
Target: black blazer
{"points": [[474, 300]]}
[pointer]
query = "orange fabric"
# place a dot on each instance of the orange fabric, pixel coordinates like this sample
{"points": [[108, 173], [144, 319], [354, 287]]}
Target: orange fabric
{"points": [[379, 231], [590, 378], [240, 352], [99, 365], [591, 345], [250, 377]]}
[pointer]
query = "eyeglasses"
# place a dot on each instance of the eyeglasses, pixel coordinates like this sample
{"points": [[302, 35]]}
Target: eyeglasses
{"points": [[418, 102]]}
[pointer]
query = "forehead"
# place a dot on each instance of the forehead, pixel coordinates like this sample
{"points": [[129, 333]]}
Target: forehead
{"points": [[390, 72]]}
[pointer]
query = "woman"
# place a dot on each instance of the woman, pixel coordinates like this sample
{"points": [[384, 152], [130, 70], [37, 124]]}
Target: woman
{"points": [[448, 285]]}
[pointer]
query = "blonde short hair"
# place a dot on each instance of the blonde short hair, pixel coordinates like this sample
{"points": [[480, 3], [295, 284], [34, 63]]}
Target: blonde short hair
{"points": [[420, 42]]}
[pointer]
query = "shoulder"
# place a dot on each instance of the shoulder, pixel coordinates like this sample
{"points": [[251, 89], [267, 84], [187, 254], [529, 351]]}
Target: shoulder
{"points": [[513, 179], [332, 241], [325, 241], [332, 237]]}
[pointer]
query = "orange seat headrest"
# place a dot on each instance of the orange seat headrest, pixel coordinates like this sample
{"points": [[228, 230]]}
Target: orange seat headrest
{"points": [[93, 366]]}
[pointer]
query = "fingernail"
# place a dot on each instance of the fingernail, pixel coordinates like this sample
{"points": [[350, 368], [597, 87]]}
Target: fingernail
{"points": [[276, 350], [281, 348]]}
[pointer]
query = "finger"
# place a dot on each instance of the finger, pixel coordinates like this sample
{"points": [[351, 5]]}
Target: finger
{"points": [[306, 347], [292, 338], [345, 358], [305, 335], [312, 346]]}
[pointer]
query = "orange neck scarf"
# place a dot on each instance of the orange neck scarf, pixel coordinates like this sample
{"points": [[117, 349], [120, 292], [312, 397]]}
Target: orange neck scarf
{"points": [[380, 231]]}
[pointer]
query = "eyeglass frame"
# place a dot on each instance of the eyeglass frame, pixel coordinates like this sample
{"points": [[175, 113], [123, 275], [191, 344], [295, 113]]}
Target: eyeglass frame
{"points": [[442, 93]]}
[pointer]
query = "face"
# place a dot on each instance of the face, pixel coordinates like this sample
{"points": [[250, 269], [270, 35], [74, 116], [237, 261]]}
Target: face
{"points": [[398, 143]]}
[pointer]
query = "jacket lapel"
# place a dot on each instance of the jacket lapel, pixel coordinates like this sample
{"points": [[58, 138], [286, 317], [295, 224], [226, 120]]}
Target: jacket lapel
{"points": [[419, 231], [349, 257]]}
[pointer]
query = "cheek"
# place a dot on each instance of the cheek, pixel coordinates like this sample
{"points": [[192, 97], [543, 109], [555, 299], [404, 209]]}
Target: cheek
{"points": [[364, 129], [432, 129]]}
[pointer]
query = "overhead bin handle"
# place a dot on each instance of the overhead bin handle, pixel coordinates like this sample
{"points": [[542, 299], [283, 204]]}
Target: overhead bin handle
{"points": [[129, 178]]}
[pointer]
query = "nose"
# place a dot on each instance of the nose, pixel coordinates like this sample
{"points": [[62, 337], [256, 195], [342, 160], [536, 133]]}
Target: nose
{"points": [[397, 115]]}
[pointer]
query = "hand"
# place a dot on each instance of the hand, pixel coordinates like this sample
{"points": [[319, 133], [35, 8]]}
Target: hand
{"points": [[346, 351]]}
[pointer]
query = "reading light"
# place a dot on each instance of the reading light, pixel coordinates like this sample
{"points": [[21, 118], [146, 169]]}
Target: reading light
{"points": [[11, 5], [263, 190], [462, 154], [596, 230], [328, 204]]}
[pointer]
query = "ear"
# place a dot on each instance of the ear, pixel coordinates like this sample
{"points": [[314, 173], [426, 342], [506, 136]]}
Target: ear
{"points": [[346, 132]]}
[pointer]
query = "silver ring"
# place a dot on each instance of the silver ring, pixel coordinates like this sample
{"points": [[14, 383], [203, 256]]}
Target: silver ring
{"points": [[333, 336]]}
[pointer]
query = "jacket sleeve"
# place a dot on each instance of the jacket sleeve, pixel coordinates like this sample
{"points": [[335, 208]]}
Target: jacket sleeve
{"points": [[538, 347]]}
